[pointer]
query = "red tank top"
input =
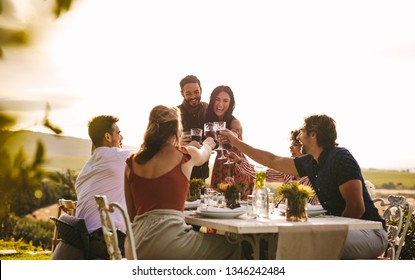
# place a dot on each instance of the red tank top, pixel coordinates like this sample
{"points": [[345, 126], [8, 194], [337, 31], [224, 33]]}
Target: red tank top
{"points": [[169, 191]]}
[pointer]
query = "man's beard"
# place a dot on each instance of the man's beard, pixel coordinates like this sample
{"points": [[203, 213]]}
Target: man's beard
{"points": [[191, 102]]}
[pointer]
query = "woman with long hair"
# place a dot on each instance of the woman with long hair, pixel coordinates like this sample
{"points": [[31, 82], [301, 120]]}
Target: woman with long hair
{"points": [[156, 186], [220, 108]]}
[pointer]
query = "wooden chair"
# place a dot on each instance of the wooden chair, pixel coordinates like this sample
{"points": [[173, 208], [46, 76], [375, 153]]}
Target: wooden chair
{"points": [[109, 230], [393, 212], [66, 206]]}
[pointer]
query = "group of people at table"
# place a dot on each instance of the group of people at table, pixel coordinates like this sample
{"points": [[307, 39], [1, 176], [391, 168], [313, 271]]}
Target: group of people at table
{"points": [[152, 182]]}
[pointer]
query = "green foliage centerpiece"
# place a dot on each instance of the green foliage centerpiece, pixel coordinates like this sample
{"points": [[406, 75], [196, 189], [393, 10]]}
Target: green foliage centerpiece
{"points": [[259, 179], [196, 185], [296, 196]]}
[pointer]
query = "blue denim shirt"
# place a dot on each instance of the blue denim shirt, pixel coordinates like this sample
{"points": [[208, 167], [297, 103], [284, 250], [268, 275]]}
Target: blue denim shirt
{"points": [[335, 167]]}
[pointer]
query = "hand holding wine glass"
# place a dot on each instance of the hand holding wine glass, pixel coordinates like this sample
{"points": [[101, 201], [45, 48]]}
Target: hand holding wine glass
{"points": [[220, 126], [209, 141], [229, 136], [209, 129]]}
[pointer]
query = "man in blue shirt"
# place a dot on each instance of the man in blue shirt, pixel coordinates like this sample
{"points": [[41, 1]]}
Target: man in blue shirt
{"points": [[336, 177]]}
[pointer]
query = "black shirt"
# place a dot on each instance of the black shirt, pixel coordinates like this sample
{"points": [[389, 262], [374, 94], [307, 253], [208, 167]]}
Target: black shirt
{"points": [[335, 167], [195, 118]]}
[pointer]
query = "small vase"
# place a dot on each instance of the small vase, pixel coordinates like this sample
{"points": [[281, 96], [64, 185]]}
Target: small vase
{"points": [[296, 209], [193, 194], [232, 199]]}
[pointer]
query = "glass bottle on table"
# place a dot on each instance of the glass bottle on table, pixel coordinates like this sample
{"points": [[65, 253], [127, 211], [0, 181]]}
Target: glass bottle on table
{"points": [[261, 193]]}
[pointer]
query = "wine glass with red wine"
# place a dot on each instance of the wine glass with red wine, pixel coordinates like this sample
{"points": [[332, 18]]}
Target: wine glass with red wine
{"points": [[221, 125]]}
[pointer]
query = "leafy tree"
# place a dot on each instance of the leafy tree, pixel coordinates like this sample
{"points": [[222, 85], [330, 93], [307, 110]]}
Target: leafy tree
{"points": [[13, 32], [20, 180], [65, 182]]}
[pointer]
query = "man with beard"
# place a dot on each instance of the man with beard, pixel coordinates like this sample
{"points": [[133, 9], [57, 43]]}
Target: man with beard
{"points": [[193, 116], [336, 177], [103, 173]]}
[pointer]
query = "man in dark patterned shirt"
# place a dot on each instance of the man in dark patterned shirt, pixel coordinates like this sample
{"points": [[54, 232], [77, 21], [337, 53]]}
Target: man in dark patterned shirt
{"points": [[336, 177], [193, 112]]}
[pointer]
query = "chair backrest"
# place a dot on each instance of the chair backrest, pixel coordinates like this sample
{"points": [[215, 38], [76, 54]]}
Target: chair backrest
{"points": [[73, 231], [66, 206], [109, 230], [393, 212]]}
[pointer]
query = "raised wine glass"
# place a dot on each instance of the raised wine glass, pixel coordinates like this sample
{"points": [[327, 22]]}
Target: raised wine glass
{"points": [[196, 134], [221, 125], [209, 130]]}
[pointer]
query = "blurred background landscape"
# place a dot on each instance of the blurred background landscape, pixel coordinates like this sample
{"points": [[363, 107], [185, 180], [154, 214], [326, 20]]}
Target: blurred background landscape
{"points": [[65, 152], [64, 61]]}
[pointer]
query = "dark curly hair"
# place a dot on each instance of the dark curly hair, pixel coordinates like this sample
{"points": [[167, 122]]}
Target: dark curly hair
{"points": [[325, 128]]}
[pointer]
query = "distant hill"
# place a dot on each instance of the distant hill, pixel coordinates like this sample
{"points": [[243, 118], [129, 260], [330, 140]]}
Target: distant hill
{"points": [[62, 152]]}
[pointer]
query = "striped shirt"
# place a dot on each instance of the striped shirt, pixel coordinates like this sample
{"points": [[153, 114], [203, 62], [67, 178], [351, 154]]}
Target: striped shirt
{"points": [[272, 175]]}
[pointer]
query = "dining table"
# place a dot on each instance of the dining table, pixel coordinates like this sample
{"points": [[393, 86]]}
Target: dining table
{"points": [[320, 237]]}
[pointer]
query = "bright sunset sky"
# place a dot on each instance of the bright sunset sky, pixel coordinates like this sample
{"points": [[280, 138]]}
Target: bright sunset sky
{"points": [[284, 60]]}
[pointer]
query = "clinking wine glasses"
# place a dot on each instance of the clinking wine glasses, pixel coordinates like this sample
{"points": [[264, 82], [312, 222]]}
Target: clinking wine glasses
{"points": [[196, 134], [220, 125], [209, 130]]}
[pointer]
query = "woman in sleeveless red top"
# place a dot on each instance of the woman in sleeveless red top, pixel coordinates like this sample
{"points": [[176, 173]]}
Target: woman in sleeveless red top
{"points": [[156, 185]]}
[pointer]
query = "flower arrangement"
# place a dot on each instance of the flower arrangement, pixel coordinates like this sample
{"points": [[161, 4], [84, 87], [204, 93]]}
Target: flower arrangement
{"points": [[296, 196], [259, 179], [295, 190], [196, 185], [232, 191]]}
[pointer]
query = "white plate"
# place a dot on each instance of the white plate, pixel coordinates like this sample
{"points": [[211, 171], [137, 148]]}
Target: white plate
{"points": [[192, 204], [316, 213], [222, 213], [317, 207]]}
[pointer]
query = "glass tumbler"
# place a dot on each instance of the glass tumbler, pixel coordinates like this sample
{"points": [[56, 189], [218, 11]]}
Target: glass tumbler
{"points": [[250, 206], [271, 203]]}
